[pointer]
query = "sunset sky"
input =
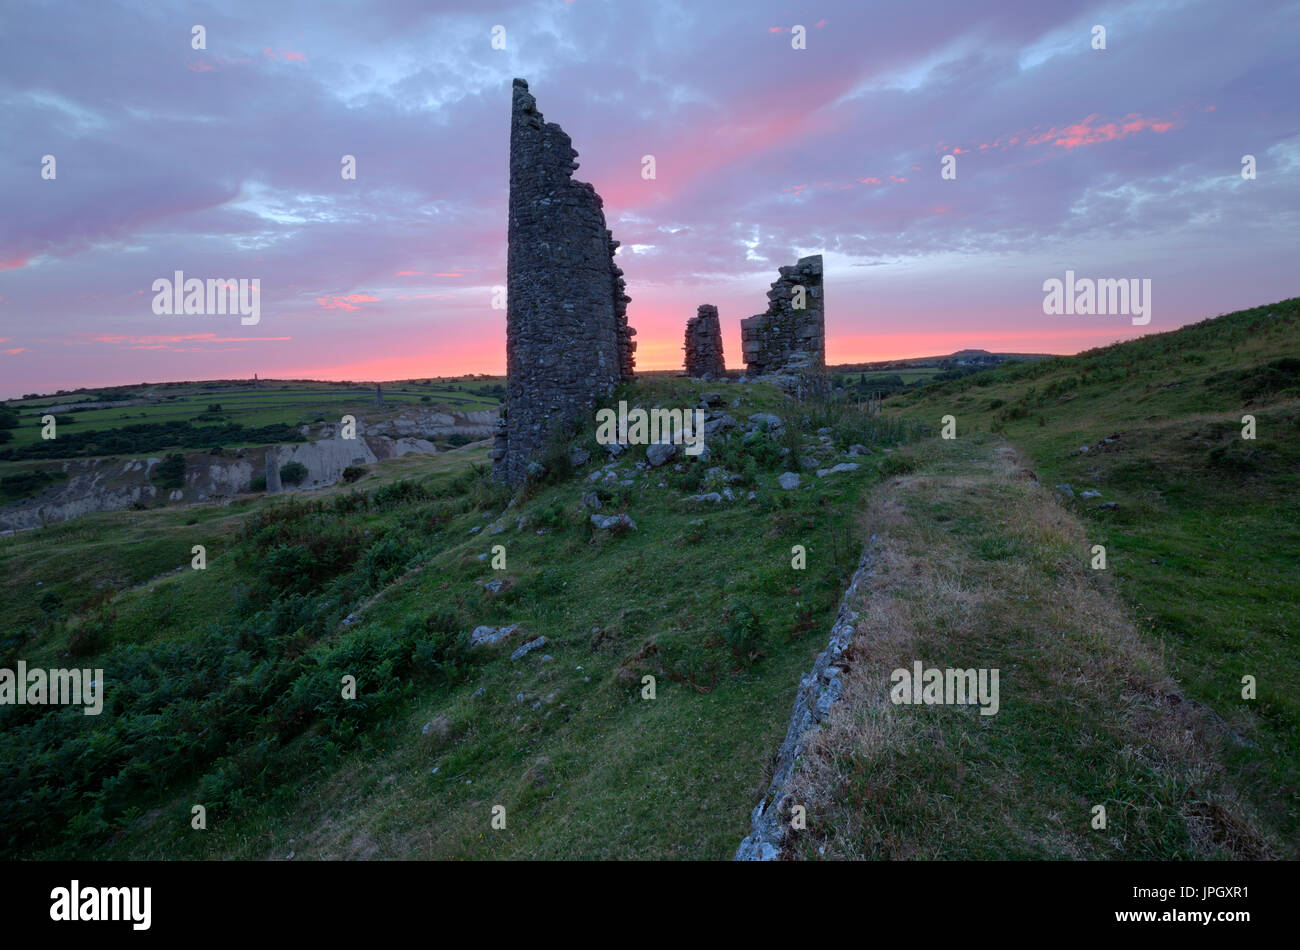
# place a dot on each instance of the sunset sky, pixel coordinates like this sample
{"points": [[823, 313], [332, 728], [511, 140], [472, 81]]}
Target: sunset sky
{"points": [[225, 162]]}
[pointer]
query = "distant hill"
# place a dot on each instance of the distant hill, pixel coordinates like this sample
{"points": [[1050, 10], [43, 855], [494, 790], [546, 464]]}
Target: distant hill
{"points": [[939, 362]]}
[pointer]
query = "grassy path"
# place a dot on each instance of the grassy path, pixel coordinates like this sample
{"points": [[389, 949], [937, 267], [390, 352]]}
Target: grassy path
{"points": [[979, 567]]}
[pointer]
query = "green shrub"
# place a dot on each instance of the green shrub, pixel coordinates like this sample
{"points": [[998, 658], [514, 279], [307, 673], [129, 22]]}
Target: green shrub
{"points": [[169, 474], [353, 472], [292, 473], [743, 632]]}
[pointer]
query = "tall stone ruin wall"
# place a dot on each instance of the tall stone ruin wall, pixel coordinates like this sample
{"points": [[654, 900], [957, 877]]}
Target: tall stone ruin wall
{"points": [[567, 339], [704, 344], [786, 340]]}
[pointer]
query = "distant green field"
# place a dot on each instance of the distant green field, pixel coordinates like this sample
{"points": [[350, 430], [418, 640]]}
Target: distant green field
{"points": [[268, 404]]}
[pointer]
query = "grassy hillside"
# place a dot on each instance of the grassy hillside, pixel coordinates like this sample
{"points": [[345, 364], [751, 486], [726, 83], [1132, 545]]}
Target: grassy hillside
{"points": [[976, 567], [1204, 538], [225, 684]]}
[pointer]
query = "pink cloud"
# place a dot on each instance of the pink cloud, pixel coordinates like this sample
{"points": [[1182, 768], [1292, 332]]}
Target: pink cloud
{"points": [[165, 340], [345, 302], [201, 66], [14, 263], [285, 54], [1088, 131], [407, 273], [14, 352]]}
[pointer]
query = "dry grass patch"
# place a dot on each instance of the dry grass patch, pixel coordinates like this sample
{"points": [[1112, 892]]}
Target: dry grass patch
{"points": [[979, 568]]}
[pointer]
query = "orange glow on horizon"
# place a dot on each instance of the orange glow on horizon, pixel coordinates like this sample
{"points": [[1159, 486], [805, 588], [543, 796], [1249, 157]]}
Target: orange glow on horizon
{"points": [[660, 355]]}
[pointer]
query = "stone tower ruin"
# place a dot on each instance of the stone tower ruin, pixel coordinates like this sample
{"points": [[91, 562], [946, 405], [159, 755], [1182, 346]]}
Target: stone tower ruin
{"points": [[567, 339], [787, 339], [704, 344]]}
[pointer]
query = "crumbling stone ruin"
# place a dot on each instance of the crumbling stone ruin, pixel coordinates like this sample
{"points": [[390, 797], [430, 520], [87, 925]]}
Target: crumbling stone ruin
{"points": [[789, 340], [704, 345], [567, 339]]}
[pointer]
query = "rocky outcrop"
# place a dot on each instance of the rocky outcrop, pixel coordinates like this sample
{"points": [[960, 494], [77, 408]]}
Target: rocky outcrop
{"points": [[818, 690], [704, 345], [110, 484], [429, 424], [567, 339]]}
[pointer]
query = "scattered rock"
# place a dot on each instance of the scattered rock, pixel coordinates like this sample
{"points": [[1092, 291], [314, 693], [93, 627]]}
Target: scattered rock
{"points": [[579, 458], [488, 636], [1090, 493], [842, 467], [708, 496], [659, 452], [1110, 505], [1065, 490], [591, 500], [719, 422], [611, 522], [528, 648], [858, 448], [766, 418], [789, 480]]}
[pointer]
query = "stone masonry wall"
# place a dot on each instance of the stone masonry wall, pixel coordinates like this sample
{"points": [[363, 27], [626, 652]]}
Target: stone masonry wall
{"points": [[567, 339], [785, 340], [704, 344]]}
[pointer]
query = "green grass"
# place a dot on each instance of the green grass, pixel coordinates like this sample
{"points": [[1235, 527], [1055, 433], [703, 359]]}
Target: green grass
{"points": [[583, 764], [1205, 543], [978, 569]]}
